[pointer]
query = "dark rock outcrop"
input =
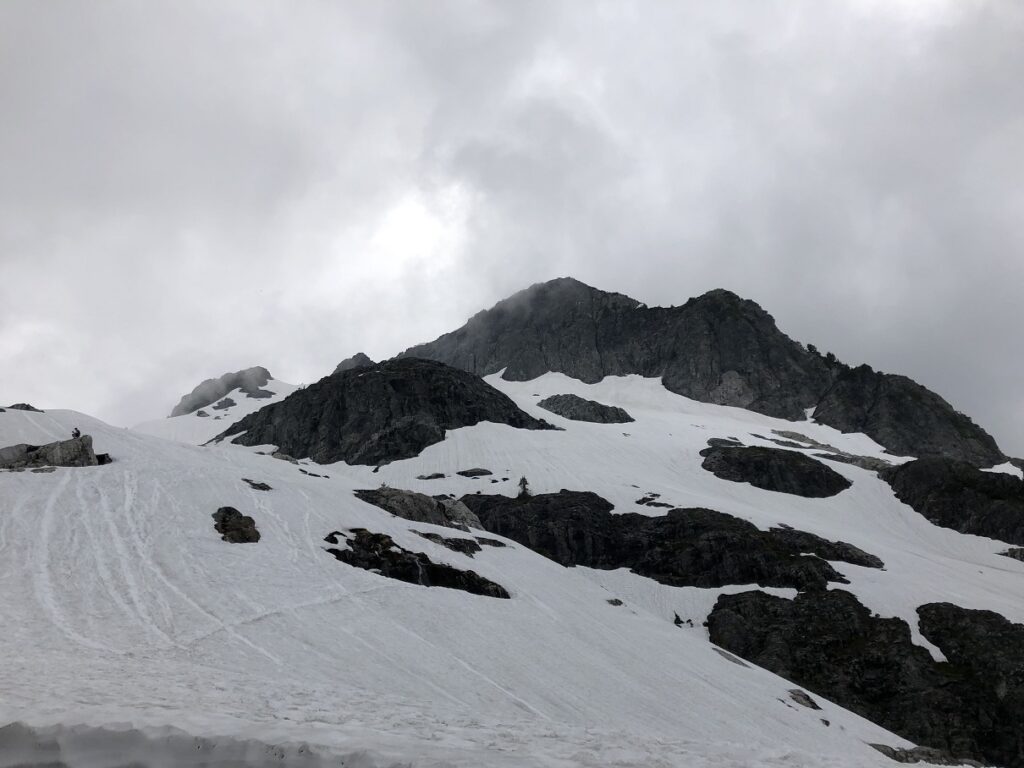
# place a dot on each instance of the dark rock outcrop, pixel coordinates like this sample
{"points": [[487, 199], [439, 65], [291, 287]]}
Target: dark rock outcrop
{"points": [[358, 360], [829, 643], [724, 442], [716, 348], [76, 452], [377, 415], [924, 755], [580, 409], [490, 542], [475, 472], [903, 416], [803, 699], [869, 463], [378, 552], [234, 527], [957, 495], [24, 407], [686, 547], [420, 508], [467, 547], [775, 469], [224, 404], [250, 381], [256, 486], [1017, 553]]}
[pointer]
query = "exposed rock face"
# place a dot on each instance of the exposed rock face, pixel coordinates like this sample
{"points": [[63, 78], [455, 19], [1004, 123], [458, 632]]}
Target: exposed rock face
{"points": [[1017, 553], [716, 348], [358, 360], [468, 547], [377, 415], [235, 527], [210, 391], [829, 643], [420, 508], [76, 452], [687, 547], [24, 407], [257, 486], [579, 409], [954, 494], [378, 552], [775, 469], [903, 416]]}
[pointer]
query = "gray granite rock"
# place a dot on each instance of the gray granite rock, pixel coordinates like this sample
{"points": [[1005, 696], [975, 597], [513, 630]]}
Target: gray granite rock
{"points": [[76, 452]]}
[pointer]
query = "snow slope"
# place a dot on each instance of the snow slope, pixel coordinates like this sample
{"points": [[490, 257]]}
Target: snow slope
{"points": [[196, 430], [123, 608]]}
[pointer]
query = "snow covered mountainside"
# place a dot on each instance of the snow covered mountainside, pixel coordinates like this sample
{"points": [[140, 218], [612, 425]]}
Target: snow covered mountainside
{"points": [[124, 608], [647, 537]]}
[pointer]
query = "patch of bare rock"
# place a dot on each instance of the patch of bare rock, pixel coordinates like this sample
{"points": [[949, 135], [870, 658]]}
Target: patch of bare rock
{"points": [[379, 553]]}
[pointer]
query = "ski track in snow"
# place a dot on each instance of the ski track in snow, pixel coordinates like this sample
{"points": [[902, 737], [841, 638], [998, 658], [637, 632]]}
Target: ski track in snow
{"points": [[124, 606]]}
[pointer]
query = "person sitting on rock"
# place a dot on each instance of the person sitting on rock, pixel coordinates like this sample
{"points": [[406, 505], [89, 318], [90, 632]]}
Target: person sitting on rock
{"points": [[75, 434]]}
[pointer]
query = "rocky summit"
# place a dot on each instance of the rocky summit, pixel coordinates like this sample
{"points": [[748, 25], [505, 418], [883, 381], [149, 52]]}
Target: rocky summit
{"points": [[377, 415], [358, 360], [716, 348]]}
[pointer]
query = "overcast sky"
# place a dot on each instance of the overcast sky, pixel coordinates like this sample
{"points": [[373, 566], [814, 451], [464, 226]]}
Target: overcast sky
{"points": [[191, 188]]}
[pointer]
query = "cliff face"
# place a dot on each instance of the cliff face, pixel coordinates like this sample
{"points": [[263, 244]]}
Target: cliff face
{"points": [[379, 414], [716, 348]]}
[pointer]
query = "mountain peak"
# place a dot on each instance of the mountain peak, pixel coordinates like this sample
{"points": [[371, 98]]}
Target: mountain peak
{"points": [[358, 360], [249, 380], [716, 348]]}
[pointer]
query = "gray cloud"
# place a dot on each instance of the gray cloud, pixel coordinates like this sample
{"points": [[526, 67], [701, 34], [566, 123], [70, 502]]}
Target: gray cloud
{"points": [[193, 188]]}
